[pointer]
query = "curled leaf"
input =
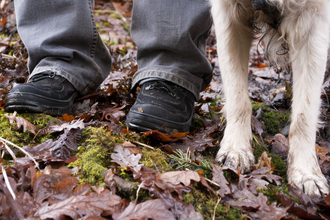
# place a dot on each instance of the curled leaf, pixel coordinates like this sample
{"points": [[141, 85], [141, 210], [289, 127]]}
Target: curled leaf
{"points": [[22, 122]]}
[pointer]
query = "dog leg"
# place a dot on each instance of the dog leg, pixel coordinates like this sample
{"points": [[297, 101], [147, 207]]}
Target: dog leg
{"points": [[308, 36], [234, 37]]}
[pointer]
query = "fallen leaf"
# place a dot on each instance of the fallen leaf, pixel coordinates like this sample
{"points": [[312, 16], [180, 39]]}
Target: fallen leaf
{"points": [[219, 178], [264, 161], [125, 8], [21, 122], [323, 159], [177, 177], [93, 217], [257, 126], [113, 114], [19, 208], [131, 147], [79, 124], [81, 206], [3, 22], [151, 209], [257, 207], [258, 179], [126, 159], [63, 190], [66, 143], [280, 144], [297, 209], [67, 117], [198, 142], [155, 134], [56, 150], [158, 188]]}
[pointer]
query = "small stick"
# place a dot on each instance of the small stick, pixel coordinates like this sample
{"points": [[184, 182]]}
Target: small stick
{"points": [[7, 182], [138, 190], [21, 149], [215, 208], [144, 145]]}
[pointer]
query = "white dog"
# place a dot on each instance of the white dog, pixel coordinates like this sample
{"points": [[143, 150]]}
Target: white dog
{"points": [[303, 26]]}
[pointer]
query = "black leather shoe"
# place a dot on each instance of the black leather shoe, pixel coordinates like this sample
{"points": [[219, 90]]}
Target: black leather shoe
{"points": [[162, 106], [44, 93]]}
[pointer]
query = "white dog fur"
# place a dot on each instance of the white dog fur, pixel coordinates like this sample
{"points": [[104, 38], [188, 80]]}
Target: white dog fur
{"points": [[305, 29]]}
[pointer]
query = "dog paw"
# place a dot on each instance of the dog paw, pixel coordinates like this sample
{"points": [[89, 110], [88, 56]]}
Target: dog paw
{"points": [[235, 158], [309, 183]]}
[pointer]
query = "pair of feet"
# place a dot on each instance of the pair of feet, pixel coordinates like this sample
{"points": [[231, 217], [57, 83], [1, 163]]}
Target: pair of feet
{"points": [[160, 105]]}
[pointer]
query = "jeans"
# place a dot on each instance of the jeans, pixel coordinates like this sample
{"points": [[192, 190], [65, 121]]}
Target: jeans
{"points": [[61, 36]]}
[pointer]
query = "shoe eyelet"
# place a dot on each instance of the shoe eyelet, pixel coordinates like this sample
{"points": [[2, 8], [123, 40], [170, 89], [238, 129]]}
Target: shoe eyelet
{"points": [[173, 95], [52, 75]]}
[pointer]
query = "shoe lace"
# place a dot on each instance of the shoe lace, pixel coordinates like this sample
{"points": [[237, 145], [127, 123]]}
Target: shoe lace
{"points": [[42, 75], [163, 85]]}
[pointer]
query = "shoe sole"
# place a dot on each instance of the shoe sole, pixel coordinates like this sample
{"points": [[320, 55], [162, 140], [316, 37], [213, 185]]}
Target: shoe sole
{"points": [[144, 122], [33, 103]]}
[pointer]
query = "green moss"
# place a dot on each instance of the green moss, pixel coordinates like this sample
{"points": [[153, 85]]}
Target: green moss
{"points": [[206, 203], [277, 189], [280, 166], [270, 194], [94, 155], [258, 149], [155, 159], [197, 122], [257, 105], [40, 120], [17, 136], [272, 119]]}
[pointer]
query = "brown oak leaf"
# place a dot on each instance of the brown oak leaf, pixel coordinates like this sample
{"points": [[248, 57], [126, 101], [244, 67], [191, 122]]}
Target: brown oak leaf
{"points": [[125, 158], [177, 177], [264, 161], [81, 206], [220, 179], [151, 209], [22, 122]]}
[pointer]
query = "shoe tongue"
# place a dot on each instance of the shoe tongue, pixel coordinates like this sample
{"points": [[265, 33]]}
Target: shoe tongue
{"points": [[42, 75], [162, 85]]}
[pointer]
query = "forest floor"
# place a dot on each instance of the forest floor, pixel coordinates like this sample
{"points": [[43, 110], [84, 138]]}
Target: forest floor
{"points": [[90, 166]]}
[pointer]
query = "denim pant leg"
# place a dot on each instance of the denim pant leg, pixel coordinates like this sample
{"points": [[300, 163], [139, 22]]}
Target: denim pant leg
{"points": [[171, 39], [61, 36]]}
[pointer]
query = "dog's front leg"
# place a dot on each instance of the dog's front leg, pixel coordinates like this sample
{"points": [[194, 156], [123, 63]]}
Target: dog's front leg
{"points": [[234, 37], [308, 36]]}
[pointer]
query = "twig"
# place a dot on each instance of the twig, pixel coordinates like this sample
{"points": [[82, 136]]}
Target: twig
{"points": [[214, 183], [8, 56], [7, 182], [10, 152], [21, 149], [215, 208], [138, 190], [144, 145]]}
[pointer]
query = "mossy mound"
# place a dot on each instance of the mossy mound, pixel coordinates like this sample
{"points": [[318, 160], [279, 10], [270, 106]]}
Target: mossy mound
{"points": [[16, 135], [93, 156], [155, 159], [273, 120], [206, 203]]}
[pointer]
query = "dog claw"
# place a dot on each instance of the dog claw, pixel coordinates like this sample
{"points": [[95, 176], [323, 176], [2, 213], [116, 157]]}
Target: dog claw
{"points": [[235, 159], [310, 184]]}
